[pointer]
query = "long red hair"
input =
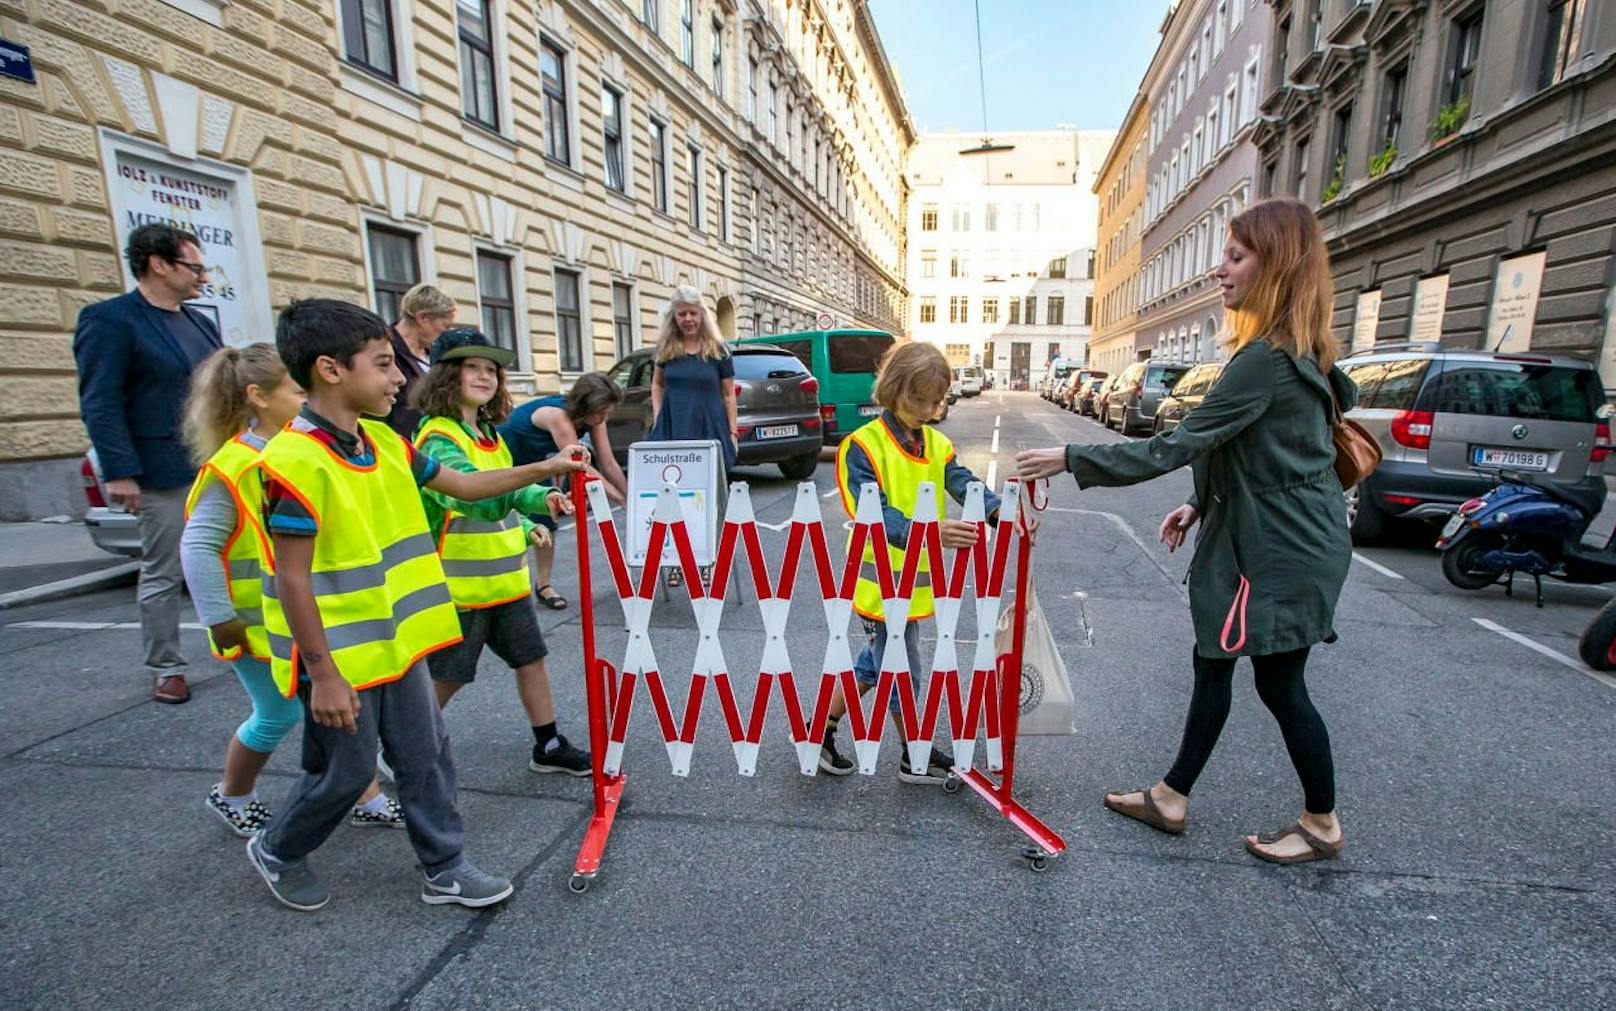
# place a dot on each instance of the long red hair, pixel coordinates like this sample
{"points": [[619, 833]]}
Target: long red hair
{"points": [[1290, 302]]}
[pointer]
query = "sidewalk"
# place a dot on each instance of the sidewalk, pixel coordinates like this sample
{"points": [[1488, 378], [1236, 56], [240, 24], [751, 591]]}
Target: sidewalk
{"points": [[46, 560]]}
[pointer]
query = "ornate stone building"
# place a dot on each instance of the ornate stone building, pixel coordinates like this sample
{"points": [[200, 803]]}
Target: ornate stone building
{"points": [[1120, 187], [558, 166], [1462, 157]]}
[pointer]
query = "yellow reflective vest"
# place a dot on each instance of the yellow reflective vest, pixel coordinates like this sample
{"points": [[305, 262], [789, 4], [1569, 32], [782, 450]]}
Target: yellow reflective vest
{"points": [[899, 473], [376, 575], [240, 556], [484, 561]]}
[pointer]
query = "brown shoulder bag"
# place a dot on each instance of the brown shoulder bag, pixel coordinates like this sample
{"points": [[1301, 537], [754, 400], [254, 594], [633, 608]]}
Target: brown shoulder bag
{"points": [[1357, 453]]}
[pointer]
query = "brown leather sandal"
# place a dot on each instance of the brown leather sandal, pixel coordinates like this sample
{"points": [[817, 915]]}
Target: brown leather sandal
{"points": [[1150, 814], [1317, 849]]}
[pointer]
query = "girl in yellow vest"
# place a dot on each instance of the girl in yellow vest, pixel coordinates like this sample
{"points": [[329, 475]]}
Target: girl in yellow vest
{"points": [[898, 451], [239, 399], [484, 544]]}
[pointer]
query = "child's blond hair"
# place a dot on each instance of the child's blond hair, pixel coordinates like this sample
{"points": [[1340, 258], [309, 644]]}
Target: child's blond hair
{"points": [[912, 371], [217, 409]]}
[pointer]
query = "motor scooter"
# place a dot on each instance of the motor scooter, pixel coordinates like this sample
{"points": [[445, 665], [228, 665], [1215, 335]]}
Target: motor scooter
{"points": [[1527, 524]]}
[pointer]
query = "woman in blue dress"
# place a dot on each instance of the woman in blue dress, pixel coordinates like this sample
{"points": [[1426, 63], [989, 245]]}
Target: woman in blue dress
{"points": [[693, 384]]}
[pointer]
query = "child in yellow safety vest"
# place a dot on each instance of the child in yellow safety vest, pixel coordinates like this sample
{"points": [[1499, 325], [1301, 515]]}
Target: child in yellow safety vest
{"points": [[240, 397], [483, 545], [354, 600], [898, 451]]}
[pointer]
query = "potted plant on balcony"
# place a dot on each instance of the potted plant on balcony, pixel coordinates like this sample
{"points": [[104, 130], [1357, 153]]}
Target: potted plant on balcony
{"points": [[1383, 161], [1449, 119], [1332, 189]]}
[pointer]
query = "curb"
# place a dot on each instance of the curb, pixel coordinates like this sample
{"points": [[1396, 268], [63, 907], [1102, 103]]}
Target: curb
{"points": [[73, 586]]}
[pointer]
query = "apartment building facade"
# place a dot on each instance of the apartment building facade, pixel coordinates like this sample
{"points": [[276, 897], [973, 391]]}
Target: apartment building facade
{"points": [[1462, 158], [1001, 257], [558, 166], [1203, 89], [1120, 189]]}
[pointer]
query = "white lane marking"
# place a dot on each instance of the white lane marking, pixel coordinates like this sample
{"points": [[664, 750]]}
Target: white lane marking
{"points": [[1555, 655], [832, 493], [993, 473], [1388, 573], [90, 626], [776, 527], [994, 449]]}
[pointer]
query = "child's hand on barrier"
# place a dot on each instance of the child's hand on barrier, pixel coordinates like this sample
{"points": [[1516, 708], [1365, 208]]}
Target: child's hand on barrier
{"points": [[563, 462], [560, 504], [958, 533], [540, 536]]}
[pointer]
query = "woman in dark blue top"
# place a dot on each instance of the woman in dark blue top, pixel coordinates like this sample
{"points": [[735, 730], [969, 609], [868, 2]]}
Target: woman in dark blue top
{"points": [[693, 385], [539, 428]]}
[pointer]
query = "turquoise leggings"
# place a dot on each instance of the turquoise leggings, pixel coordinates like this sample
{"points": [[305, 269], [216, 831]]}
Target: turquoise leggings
{"points": [[273, 716]]}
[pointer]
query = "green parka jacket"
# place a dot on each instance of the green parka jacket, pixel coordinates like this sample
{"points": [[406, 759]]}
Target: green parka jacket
{"points": [[1273, 548]]}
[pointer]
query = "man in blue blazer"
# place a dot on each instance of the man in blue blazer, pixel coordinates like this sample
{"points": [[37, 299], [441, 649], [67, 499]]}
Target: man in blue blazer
{"points": [[135, 356]]}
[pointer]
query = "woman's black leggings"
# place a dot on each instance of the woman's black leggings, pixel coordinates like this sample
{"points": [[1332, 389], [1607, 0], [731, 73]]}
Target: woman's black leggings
{"points": [[1281, 686]]}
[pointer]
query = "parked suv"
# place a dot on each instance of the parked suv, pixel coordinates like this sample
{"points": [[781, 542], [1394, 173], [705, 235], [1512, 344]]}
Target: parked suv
{"points": [[777, 408], [1448, 421], [1130, 403], [1186, 394]]}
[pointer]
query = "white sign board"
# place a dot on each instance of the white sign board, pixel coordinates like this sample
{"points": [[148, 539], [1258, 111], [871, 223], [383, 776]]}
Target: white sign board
{"points": [[692, 468], [147, 186], [1514, 308], [1430, 303], [1366, 320]]}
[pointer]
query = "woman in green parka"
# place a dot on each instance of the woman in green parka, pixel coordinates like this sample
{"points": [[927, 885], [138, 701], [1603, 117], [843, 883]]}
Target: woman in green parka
{"points": [[1273, 549]]}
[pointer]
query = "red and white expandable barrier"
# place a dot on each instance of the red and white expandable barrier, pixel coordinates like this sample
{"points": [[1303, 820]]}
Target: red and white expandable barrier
{"points": [[989, 697]]}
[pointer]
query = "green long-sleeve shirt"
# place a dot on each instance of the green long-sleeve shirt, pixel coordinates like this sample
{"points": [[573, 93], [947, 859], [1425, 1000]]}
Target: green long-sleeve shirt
{"points": [[527, 500]]}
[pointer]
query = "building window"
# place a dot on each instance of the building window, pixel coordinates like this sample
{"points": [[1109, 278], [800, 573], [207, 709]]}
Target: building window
{"points": [[723, 203], [962, 218], [928, 310], [1270, 179], [718, 56], [367, 36], [957, 309], [1057, 267], [1248, 98], [495, 294], [1562, 38], [623, 318], [553, 74], [928, 218], [611, 101], [751, 89], [1089, 266], [1282, 51], [990, 310], [770, 122], [1055, 310], [651, 14], [695, 186], [687, 32], [1466, 49], [1088, 310], [928, 263], [394, 268], [1315, 22], [478, 99], [569, 341], [990, 218], [959, 264], [1340, 147], [659, 166], [1396, 89], [1014, 318], [1032, 310], [1300, 189]]}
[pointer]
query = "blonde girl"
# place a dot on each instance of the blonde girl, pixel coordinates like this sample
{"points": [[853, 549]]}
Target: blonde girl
{"points": [[239, 398]]}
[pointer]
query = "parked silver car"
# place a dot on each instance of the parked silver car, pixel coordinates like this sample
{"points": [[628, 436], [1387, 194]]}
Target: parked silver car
{"points": [[112, 529], [1448, 421], [1129, 404]]}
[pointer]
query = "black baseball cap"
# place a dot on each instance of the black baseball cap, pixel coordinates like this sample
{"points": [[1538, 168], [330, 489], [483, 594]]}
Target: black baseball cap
{"points": [[469, 342]]}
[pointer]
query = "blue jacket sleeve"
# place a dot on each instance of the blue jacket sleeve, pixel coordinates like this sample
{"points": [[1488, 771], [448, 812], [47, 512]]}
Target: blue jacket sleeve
{"points": [[101, 348], [859, 472], [956, 476]]}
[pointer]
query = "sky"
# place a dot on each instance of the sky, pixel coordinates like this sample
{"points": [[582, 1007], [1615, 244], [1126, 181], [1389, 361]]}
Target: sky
{"points": [[1048, 62]]}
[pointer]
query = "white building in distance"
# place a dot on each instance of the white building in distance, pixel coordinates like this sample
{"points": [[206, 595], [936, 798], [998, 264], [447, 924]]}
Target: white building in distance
{"points": [[1001, 247]]}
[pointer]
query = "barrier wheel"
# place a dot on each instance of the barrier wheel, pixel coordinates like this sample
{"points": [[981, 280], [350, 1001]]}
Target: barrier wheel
{"points": [[1038, 864], [578, 884], [952, 784], [1037, 859]]}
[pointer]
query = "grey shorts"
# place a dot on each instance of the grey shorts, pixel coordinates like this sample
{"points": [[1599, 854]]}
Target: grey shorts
{"points": [[511, 630]]}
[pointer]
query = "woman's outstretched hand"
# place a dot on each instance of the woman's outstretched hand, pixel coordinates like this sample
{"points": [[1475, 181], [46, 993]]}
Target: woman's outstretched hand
{"points": [[1177, 525], [1039, 463]]}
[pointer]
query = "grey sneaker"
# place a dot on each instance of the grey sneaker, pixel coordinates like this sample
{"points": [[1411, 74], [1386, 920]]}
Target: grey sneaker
{"points": [[293, 885], [464, 885]]}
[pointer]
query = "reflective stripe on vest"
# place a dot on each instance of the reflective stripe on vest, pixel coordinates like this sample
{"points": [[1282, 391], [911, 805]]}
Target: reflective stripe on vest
{"points": [[375, 575], [240, 556], [900, 475], [485, 562]]}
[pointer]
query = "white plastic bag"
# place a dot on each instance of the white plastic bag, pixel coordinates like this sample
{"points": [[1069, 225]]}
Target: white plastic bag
{"points": [[1048, 707]]}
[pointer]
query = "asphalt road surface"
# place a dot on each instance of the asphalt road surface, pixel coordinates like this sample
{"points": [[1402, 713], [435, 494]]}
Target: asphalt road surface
{"points": [[1473, 757]]}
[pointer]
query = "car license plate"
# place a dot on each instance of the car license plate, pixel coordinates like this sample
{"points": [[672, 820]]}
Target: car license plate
{"points": [[1514, 459], [870, 411], [1452, 526], [777, 432]]}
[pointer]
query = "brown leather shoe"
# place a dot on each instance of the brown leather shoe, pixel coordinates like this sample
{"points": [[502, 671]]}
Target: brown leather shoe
{"points": [[171, 688]]}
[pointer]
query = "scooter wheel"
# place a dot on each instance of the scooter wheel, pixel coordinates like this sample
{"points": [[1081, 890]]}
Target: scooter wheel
{"points": [[1598, 639], [1459, 563]]}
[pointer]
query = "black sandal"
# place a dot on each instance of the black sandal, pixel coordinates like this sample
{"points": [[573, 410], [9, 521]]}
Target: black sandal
{"points": [[555, 602]]}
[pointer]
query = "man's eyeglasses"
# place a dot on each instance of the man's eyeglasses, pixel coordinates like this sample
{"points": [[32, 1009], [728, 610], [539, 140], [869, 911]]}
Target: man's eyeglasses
{"points": [[196, 268]]}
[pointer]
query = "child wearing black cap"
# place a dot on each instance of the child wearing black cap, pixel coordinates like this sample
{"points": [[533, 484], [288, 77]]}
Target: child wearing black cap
{"points": [[484, 544]]}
